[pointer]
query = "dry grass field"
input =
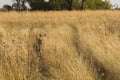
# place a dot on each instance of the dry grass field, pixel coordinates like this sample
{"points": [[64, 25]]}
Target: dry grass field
{"points": [[60, 45]]}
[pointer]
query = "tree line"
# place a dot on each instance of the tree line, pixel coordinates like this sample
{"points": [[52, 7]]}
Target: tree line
{"points": [[58, 5], [70, 4]]}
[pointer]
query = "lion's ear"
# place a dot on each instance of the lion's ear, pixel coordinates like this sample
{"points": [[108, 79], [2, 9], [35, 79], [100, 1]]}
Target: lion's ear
{"points": [[40, 35], [45, 35]]}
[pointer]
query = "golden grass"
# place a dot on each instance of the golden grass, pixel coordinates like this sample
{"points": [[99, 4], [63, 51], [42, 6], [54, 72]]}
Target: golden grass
{"points": [[77, 46]]}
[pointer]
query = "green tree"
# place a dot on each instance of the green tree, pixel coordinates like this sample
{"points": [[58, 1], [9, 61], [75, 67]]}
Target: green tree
{"points": [[7, 7], [56, 4], [21, 5], [97, 4], [51, 5], [37, 4], [69, 4]]}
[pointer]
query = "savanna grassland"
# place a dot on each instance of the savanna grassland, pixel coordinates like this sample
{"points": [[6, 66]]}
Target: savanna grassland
{"points": [[77, 45]]}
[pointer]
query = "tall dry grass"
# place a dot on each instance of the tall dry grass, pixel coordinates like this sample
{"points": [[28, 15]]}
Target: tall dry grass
{"points": [[60, 45]]}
